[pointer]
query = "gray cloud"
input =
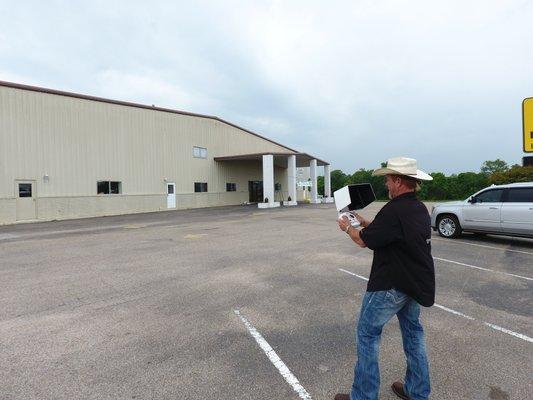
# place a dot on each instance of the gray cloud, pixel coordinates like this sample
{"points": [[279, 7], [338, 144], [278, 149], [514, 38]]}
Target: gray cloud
{"points": [[350, 82]]}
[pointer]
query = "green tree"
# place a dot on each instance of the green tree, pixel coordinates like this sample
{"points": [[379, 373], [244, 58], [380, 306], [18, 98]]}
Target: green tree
{"points": [[338, 180], [437, 189], [469, 183], [491, 167], [442, 187], [365, 176], [515, 174], [320, 185], [453, 187]]}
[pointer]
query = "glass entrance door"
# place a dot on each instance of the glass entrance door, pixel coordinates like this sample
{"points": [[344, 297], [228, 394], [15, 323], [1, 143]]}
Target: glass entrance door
{"points": [[255, 188]]}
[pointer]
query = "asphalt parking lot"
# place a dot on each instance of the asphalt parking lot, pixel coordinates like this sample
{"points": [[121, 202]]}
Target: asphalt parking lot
{"points": [[241, 303]]}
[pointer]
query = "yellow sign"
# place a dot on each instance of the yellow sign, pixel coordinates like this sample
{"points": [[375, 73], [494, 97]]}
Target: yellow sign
{"points": [[527, 119]]}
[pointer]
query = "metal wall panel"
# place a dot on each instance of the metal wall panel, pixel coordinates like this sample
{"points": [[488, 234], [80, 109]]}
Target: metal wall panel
{"points": [[77, 142], [67, 144]]}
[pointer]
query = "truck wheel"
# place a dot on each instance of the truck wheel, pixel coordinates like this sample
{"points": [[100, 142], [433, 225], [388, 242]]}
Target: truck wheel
{"points": [[448, 226]]}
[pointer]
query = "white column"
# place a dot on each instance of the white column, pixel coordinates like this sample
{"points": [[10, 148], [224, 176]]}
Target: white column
{"points": [[268, 182], [314, 192], [291, 181], [327, 184]]}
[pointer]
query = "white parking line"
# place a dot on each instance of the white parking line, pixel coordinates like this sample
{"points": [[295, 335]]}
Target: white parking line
{"points": [[5, 236], [351, 273], [274, 358], [481, 268], [482, 245], [518, 335], [454, 312], [496, 327]]}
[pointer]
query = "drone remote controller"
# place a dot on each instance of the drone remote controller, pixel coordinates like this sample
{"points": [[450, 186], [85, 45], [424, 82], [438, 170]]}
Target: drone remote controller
{"points": [[351, 217]]}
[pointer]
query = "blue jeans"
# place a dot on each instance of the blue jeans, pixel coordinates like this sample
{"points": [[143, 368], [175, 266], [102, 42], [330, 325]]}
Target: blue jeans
{"points": [[377, 309]]}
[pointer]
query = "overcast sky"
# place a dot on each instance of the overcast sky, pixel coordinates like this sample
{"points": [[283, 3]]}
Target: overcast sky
{"points": [[350, 82]]}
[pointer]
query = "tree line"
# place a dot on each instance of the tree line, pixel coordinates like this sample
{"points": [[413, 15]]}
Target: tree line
{"points": [[442, 187]]}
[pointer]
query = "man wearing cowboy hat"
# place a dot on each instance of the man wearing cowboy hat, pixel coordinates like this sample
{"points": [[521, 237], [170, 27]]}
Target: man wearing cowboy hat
{"points": [[401, 279]]}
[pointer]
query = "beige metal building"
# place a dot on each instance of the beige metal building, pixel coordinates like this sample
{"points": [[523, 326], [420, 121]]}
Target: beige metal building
{"points": [[66, 155]]}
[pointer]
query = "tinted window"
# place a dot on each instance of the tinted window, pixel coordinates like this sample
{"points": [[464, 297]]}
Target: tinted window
{"points": [[106, 187], [115, 187], [170, 189], [520, 195], [200, 186], [102, 187], [490, 196], [231, 187], [24, 189]]}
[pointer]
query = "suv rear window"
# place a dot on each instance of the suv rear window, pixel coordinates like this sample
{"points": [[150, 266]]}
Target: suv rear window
{"points": [[490, 196], [520, 195]]}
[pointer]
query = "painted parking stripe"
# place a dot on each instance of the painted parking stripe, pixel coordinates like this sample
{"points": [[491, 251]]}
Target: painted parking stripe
{"points": [[454, 312], [493, 326], [481, 268], [351, 273], [482, 245], [274, 358], [5, 236], [518, 335]]}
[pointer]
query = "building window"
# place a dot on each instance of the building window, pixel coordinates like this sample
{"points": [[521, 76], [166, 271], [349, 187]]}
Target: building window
{"points": [[109, 187], [199, 152], [200, 187], [24, 189], [231, 187]]}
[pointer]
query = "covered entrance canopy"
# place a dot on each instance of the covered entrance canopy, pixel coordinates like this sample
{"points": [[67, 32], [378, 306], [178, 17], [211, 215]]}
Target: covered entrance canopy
{"points": [[280, 159], [290, 161]]}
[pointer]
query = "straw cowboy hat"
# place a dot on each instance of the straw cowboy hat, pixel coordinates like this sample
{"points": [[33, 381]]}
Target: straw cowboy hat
{"points": [[403, 166]]}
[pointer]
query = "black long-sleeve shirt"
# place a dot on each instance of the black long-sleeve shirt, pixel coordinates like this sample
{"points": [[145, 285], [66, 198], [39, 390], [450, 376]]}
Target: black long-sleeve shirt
{"points": [[400, 236]]}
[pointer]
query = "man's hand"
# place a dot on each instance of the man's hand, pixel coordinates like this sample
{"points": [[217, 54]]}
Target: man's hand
{"points": [[344, 224], [364, 222]]}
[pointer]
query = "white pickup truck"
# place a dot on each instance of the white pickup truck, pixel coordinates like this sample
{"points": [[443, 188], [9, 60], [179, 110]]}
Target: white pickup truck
{"points": [[500, 210]]}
